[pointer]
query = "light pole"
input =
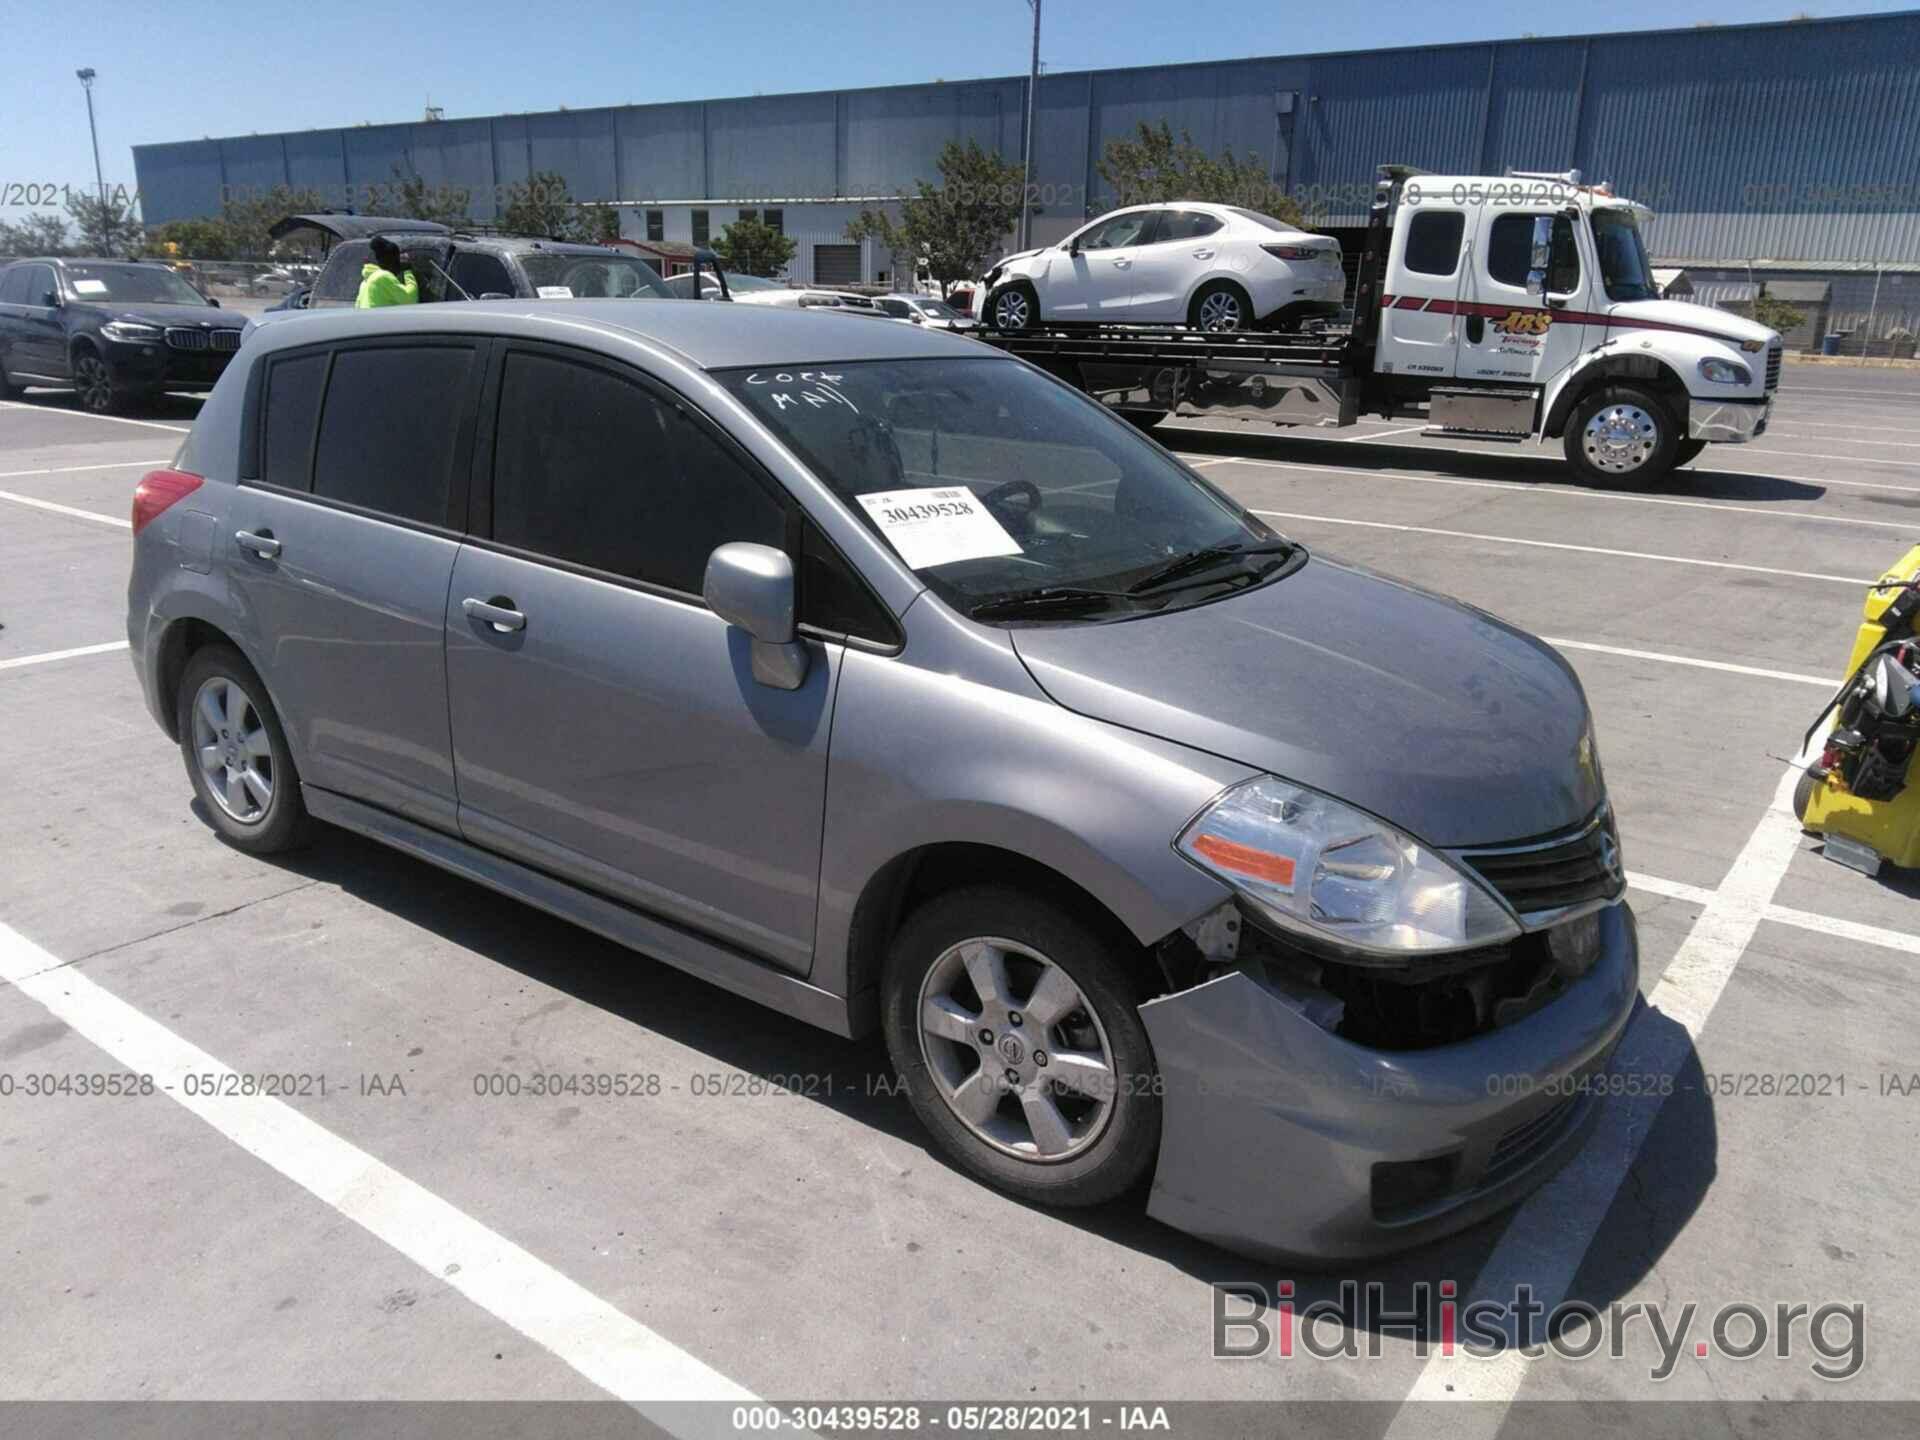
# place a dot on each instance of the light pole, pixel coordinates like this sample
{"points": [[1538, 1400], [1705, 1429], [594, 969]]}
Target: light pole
{"points": [[86, 84], [1026, 157]]}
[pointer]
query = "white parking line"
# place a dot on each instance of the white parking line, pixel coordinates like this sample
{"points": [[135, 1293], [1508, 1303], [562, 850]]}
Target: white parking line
{"points": [[89, 415], [65, 510], [1788, 435], [1844, 929], [1383, 434], [1546, 1240], [1563, 545], [50, 656], [1562, 492], [1669, 889], [608, 1347], [74, 469], [1666, 659]]}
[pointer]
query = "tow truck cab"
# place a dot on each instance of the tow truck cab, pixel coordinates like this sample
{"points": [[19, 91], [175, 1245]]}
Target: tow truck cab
{"points": [[1526, 305]]}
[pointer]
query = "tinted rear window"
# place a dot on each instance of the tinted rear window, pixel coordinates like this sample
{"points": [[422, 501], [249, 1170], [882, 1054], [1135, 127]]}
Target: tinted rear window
{"points": [[286, 420], [388, 431], [1433, 241]]}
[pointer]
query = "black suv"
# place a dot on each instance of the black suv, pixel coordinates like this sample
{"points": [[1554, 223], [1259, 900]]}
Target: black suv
{"points": [[116, 331], [455, 265]]}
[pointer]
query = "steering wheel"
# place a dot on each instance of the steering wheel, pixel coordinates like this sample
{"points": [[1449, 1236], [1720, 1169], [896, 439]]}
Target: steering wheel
{"points": [[996, 498]]}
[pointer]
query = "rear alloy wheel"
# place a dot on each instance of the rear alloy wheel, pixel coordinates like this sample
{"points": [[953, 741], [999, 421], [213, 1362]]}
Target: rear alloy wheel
{"points": [[1220, 306], [1016, 1030], [237, 755], [1621, 435], [1013, 308], [93, 383]]}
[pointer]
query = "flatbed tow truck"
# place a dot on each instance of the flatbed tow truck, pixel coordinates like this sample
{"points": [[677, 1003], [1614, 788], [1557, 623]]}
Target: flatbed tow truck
{"points": [[1514, 308]]}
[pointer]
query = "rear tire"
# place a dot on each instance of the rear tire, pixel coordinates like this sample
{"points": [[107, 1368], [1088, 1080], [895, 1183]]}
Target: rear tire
{"points": [[1621, 435], [236, 754], [1013, 309], [1038, 1078], [1221, 306]]}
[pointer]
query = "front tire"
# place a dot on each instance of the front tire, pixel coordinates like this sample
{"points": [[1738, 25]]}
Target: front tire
{"points": [[1014, 1027], [237, 755], [95, 385], [1013, 309], [1621, 435]]}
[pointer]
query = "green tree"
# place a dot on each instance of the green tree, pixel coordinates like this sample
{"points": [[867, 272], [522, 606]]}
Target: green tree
{"points": [[201, 238], [750, 246], [953, 226], [543, 206], [1151, 167], [248, 220], [412, 197], [35, 235], [1776, 314], [107, 226]]}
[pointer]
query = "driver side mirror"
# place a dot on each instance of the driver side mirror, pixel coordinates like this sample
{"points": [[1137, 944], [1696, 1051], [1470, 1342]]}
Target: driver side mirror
{"points": [[751, 588], [1541, 258], [51, 299]]}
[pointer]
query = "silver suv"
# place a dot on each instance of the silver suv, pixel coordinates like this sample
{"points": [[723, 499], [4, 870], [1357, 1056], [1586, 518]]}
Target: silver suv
{"points": [[890, 681]]}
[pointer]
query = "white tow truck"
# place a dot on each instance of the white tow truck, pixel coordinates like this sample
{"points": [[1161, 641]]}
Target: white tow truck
{"points": [[1511, 308]]}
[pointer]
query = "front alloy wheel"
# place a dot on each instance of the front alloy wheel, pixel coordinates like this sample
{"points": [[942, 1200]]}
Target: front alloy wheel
{"points": [[1012, 311], [1620, 438], [1015, 1050], [93, 383]]}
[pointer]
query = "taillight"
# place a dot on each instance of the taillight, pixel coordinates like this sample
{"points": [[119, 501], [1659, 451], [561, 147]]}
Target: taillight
{"points": [[1293, 252], [157, 491]]}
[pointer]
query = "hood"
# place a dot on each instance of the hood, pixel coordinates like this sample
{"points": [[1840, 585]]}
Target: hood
{"points": [[1699, 319], [203, 316], [1449, 723]]}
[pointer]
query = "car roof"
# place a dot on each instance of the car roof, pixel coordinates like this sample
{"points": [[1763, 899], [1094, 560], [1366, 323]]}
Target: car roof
{"points": [[710, 335], [527, 244]]}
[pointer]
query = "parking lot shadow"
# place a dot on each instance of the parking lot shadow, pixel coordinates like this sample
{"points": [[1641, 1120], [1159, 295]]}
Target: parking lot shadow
{"points": [[1526, 464], [759, 1041]]}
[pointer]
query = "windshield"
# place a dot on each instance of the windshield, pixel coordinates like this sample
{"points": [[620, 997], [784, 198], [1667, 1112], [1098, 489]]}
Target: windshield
{"points": [[134, 284], [939, 309], [993, 482], [593, 277], [1623, 255]]}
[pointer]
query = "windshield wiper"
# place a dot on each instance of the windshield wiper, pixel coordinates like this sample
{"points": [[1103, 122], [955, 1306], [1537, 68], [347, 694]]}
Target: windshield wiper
{"points": [[1061, 598], [1205, 559]]}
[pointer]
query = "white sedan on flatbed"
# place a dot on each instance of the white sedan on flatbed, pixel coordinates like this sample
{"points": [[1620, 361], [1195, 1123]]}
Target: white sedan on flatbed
{"points": [[1213, 267]]}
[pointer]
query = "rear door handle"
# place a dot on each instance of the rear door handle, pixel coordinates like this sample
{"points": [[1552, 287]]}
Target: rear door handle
{"points": [[263, 544], [1203, 254], [497, 612]]}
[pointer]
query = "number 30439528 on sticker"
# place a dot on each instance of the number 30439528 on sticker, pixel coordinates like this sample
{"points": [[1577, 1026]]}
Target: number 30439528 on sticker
{"points": [[938, 525]]}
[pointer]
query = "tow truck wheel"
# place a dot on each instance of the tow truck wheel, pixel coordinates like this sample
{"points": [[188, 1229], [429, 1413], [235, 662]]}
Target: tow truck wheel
{"points": [[1013, 308], [1687, 452], [1014, 1024], [1621, 435]]}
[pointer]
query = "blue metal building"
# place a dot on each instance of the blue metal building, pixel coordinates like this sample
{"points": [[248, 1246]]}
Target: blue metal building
{"points": [[1774, 146]]}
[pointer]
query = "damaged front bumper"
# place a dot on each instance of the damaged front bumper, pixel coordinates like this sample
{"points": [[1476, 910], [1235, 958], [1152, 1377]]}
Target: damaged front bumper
{"points": [[1282, 1140]]}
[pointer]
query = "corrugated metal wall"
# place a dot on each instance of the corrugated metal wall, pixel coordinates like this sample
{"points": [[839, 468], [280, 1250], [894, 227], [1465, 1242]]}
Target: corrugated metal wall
{"points": [[1792, 141]]}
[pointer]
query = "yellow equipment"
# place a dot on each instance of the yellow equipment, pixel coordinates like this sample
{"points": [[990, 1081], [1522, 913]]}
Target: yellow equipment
{"points": [[1859, 788]]}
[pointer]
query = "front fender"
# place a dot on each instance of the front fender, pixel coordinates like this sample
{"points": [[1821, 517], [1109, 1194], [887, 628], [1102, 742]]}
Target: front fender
{"points": [[1615, 360], [928, 751]]}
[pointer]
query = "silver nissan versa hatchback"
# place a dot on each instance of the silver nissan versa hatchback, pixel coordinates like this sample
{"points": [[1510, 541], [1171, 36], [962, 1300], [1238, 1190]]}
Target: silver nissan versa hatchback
{"points": [[889, 681]]}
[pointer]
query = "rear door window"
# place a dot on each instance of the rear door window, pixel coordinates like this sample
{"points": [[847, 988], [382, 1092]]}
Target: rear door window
{"points": [[594, 468], [1187, 225], [340, 281], [287, 417], [390, 427], [1433, 241]]}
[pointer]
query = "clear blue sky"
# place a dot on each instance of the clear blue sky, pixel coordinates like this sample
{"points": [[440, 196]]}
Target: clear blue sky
{"points": [[179, 73]]}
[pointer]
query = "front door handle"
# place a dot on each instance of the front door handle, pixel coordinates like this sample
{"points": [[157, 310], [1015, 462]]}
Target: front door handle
{"points": [[1121, 264], [1203, 254], [497, 612], [262, 544]]}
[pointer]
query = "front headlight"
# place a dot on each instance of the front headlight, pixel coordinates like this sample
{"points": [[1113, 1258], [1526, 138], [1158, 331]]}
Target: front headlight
{"points": [[130, 330], [1329, 872], [1725, 372]]}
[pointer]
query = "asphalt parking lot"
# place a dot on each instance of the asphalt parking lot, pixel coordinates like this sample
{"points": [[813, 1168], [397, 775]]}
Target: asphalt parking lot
{"points": [[393, 1231]]}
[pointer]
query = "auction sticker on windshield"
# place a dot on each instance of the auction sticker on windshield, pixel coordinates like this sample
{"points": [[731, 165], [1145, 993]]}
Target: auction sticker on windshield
{"points": [[554, 292], [89, 287], [938, 526]]}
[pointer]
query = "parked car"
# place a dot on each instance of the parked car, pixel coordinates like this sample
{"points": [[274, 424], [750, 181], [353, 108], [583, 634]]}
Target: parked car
{"points": [[116, 332], [1156, 845], [1213, 267], [758, 290], [923, 310]]}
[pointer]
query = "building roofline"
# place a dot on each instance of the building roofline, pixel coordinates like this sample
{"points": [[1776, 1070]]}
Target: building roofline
{"points": [[1818, 22]]}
